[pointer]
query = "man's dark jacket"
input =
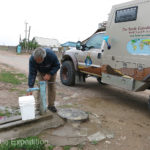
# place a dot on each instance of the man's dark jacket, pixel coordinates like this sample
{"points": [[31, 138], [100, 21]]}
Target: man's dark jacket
{"points": [[50, 65]]}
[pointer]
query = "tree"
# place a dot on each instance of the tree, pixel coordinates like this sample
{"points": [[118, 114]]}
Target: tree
{"points": [[31, 45]]}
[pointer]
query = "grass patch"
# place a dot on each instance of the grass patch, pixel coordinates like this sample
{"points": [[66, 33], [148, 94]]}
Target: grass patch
{"points": [[94, 142], [22, 92], [2, 114], [18, 91], [17, 113], [89, 113], [13, 90], [80, 146], [20, 75], [9, 77], [30, 143], [13, 78], [6, 113], [51, 147], [67, 147]]}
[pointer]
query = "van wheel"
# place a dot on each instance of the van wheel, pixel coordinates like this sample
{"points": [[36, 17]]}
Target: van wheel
{"points": [[67, 73], [99, 81]]}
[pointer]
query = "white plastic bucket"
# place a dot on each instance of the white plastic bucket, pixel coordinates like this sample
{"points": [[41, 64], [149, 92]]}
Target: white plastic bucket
{"points": [[27, 107]]}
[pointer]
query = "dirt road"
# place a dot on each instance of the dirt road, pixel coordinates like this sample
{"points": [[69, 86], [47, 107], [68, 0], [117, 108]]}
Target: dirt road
{"points": [[121, 112], [17, 61]]}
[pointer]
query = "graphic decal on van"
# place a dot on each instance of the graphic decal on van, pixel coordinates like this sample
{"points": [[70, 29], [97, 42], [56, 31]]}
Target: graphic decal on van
{"points": [[88, 61], [139, 47]]}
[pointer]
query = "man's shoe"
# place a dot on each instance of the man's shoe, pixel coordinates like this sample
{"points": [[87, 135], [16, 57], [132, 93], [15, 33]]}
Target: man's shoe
{"points": [[52, 108]]}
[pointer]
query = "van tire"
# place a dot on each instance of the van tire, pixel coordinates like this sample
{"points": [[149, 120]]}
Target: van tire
{"points": [[67, 73]]}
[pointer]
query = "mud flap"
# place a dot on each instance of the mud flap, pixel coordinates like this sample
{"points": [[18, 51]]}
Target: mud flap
{"points": [[79, 78]]}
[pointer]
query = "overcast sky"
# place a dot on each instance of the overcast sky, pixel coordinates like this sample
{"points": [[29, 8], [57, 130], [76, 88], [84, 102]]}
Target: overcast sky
{"points": [[65, 20]]}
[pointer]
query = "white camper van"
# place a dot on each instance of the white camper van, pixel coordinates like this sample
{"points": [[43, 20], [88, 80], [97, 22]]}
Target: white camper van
{"points": [[118, 54]]}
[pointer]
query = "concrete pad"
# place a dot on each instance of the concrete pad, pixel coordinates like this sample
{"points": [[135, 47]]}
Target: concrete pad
{"points": [[22, 129], [69, 132], [10, 119], [6, 120], [63, 141]]}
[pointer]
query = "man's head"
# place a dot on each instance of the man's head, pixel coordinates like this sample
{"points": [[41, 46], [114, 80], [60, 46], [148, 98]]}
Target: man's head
{"points": [[39, 54]]}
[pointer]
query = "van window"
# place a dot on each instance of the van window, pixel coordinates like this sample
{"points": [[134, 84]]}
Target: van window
{"points": [[95, 41], [127, 14]]}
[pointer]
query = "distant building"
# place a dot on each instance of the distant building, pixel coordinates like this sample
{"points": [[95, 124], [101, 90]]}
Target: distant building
{"points": [[46, 42], [69, 44]]}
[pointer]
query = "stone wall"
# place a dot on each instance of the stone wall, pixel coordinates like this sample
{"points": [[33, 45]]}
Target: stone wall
{"points": [[10, 48]]}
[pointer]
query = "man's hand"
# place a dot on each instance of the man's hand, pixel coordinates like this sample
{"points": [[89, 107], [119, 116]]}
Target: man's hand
{"points": [[29, 93], [47, 77]]}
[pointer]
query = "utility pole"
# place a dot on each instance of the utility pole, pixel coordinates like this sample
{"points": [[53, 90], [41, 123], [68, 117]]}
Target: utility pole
{"points": [[29, 35], [26, 34], [20, 39]]}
